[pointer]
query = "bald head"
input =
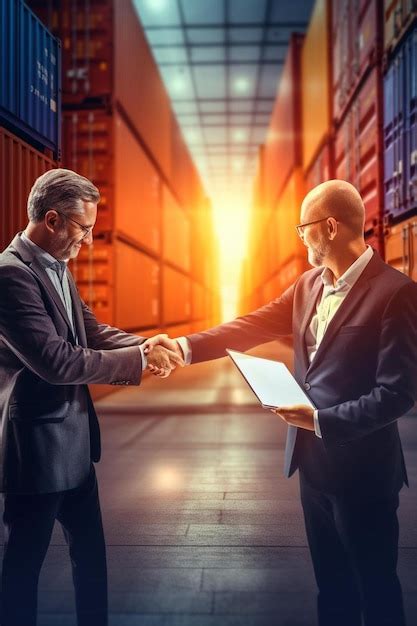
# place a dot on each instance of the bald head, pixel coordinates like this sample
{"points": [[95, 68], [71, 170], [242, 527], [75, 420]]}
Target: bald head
{"points": [[339, 199]]}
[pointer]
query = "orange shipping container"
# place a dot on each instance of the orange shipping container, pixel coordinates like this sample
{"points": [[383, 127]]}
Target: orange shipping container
{"points": [[285, 219], [176, 232], [176, 296], [198, 302], [120, 284], [102, 147], [20, 166], [316, 81], [401, 247]]}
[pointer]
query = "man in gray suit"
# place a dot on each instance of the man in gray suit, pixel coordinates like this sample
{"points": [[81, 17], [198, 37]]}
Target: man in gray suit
{"points": [[354, 323], [51, 347]]}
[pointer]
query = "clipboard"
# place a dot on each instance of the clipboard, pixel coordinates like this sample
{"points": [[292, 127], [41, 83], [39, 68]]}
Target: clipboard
{"points": [[271, 381]]}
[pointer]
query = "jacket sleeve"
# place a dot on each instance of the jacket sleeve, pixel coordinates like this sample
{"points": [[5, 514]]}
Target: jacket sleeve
{"points": [[264, 324], [395, 389], [104, 337], [28, 330]]}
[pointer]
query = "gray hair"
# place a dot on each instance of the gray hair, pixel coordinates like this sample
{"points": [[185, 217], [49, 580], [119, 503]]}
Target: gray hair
{"points": [[60, 189]]}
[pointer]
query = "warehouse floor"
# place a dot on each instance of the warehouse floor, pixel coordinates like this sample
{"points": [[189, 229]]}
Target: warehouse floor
{"points": [[201, 527]]}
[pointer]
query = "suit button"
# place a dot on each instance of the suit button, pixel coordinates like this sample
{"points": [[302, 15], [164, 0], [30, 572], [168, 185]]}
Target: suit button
{"points": [[307, 386]]}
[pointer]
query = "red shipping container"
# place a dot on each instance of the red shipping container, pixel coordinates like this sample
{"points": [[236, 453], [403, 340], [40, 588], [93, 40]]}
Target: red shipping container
{"points": [[358, 148], [106, 59], [322, 168], [376, 241], [20, 166], [356, 48], [282, 150], [398, 16]]}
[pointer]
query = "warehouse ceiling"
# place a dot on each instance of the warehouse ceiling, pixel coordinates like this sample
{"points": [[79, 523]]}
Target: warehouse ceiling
{"points": [[221, 62]]}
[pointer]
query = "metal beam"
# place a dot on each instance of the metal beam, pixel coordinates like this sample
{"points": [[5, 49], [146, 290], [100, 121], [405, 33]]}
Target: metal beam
{"points": [[225, 63], [242, 25]]}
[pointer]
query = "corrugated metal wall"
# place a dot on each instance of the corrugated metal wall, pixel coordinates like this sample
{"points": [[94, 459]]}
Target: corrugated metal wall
{"points": [[358, 99], [152, 265]]}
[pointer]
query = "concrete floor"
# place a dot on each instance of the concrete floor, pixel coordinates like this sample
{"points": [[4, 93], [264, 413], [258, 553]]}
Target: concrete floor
{"points": [[201, 527]]}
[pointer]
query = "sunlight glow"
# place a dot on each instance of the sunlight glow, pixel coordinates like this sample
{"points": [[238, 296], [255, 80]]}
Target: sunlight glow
{"points": [[231, 218], [166, 479]]}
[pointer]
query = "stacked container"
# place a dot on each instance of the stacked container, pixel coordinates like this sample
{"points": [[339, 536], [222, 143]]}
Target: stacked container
{"points": [[357, 105], [29, 110], [400, 144], [278, 192], [120, 132]]}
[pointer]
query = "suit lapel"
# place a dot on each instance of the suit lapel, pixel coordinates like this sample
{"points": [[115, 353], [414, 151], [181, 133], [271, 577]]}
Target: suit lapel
{"points": [[26, 255], [353, 300], [78, 314], [314, 295]]}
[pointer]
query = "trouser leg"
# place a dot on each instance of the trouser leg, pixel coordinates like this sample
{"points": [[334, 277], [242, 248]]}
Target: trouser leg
{"points": [[338, 601], [80, 516], [28, 522], [369, 530]]}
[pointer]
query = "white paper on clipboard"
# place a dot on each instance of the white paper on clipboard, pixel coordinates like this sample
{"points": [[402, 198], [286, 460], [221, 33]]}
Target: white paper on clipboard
{"points": [[271, 381]]}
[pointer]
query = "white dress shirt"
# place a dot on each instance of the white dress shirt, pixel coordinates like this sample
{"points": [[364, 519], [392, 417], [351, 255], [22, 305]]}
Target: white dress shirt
{"points": [[332, 297]]}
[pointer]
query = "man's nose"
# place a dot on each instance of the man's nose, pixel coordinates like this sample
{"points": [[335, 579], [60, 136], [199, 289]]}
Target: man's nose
{"points": [[88, 239]]}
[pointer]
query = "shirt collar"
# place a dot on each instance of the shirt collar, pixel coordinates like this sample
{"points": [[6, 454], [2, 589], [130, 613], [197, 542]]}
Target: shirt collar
{"points": [[349, 278], [46, 259]]}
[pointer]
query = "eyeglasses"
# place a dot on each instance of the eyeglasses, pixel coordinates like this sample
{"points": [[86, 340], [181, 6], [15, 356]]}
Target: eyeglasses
{"points": [[87, 230], [300, 227]]}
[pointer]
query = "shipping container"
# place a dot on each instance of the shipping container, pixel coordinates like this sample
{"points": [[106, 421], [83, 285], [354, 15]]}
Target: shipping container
{"points": [[102, 147], [119, 283], [401, 247], [322, 168], [107, 60], [30, 77], [399, 15], [316, 82], [285, 219], [400, 131], [282, 150], [358, 147], [356, 48], [176, 288], [176, 232], [375, 239], [20, 166]]}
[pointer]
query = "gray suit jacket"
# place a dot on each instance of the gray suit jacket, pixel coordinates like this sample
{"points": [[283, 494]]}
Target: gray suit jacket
{"points": [[362, 378], [49, 428]]}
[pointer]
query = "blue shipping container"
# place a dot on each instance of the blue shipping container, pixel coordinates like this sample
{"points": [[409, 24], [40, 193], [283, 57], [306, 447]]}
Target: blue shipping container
{"points": [[400, 131], [411, 121], [394, 137], [30, 76]]}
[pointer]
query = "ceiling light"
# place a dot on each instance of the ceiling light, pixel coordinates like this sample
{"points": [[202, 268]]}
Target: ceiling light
{"points": [[239, 135], [178, 84], [156, 5], [241, 84]]}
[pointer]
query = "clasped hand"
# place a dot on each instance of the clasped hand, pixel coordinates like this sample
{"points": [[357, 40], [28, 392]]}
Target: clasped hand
{"points": [[163, 355]]}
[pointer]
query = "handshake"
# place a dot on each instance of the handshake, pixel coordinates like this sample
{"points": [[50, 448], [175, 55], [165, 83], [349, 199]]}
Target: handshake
{"points": [[163, 355]]}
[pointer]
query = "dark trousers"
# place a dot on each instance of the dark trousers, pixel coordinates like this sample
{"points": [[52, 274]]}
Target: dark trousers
{"points": [[28, 521], [354, 548]]}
